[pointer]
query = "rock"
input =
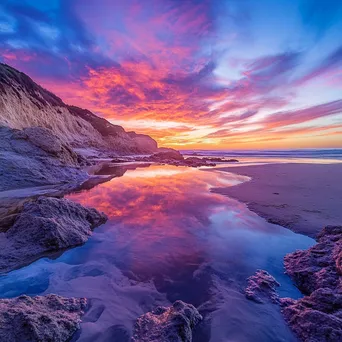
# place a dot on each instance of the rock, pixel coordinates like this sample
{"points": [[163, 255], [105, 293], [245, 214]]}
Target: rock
{"points": [[35, 156], [197, 162], [261, 287], [167, 155], [43, 318], [220, 160], [46, 225], [121, 160], [166, 324], [319, 266], [317, 273], [172, 157], [317, 317]]}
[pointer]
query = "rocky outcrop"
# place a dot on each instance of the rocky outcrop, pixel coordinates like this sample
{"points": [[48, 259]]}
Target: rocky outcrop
{"points": [[219, 160], [23, 103], [318, 273], [321, 265], [261, 287], [317, 317], [43, 226], [165, 324], [35, 156], [173, 157], [43, 318], [167, 155]]}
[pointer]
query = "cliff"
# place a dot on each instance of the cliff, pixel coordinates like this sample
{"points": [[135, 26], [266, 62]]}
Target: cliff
{"points": [[24, 103]]}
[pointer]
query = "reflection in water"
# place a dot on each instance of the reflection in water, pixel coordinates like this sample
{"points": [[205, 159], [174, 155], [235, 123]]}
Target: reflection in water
{"points": [[168, 237]]}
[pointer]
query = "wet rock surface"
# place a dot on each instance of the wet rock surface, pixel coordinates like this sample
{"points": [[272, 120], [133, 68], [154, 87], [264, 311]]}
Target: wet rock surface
{"points": [[165, 324], [45, 225], [35, 156], [220, 160], [321, 265], [318, 273], [173, 157], [261, 287], [42, 318], [317, 317]]}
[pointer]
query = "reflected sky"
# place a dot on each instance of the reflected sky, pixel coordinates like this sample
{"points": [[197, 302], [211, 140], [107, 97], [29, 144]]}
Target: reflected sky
{"points": [[164, 217], [167, 238]]}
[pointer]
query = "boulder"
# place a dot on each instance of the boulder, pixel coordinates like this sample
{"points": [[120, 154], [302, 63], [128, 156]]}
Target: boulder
{"points": [[165, 324], [43, 226], [197, 162], [167, 155], [317, 273], [42, 318], [220, 160], [321, 265], [317, 317], [261, 287], [35, 156]]}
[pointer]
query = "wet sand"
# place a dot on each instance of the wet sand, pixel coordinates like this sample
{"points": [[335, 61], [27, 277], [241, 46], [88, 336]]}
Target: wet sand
{"points": [[301, 197]]}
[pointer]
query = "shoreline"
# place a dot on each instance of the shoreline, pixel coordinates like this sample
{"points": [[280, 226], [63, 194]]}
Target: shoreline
{"points": [[301, 197]]}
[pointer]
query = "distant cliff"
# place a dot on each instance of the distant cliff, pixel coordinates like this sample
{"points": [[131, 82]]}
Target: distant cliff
{"points": [[24, 103]]}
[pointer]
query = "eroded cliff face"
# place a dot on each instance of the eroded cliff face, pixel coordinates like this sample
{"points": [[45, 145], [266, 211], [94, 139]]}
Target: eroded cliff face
{"points": [[23, 103]]}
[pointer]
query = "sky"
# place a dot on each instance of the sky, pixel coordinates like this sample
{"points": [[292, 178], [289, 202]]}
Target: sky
{"points": [[204, 74]]}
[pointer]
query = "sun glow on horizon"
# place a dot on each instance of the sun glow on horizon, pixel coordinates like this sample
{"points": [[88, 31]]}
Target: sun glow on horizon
{"points": [[198, 74]]}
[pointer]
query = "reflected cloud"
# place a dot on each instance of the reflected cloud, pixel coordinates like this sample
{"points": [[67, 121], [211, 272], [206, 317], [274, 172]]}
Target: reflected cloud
{"points": [[163, 212]]}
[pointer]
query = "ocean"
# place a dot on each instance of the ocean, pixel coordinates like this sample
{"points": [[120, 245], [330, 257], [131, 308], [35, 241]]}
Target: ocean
{"points": [[329, 155]]}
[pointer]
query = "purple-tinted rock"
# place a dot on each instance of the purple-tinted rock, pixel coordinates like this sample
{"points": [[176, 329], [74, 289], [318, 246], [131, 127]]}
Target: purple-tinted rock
{"points": [[172, 157], [317, 272], [197, 162], [317, 317], [261, 287], [166, 324], [46, 225], [320, 265], [35, 156], [167, 155], [219, 160], [43, 318]]}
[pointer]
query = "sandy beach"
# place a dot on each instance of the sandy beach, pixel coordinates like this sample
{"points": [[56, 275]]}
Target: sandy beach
{"points": [[301, 197]]}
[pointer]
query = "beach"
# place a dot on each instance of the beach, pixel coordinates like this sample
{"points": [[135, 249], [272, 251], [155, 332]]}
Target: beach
{"points": [[298, 196]]}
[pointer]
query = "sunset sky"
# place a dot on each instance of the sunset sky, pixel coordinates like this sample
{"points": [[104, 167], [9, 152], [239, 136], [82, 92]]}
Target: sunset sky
{"points": [[210, 74]]}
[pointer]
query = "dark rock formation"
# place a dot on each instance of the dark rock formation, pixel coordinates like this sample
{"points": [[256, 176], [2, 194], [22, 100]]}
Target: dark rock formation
{"points": [[317, 317], [197, 162], [219, 160], [167, 155], [23, 103], [43, 318], [261, 287], [35, 156], [173, 157], [46, 225], [321, 265], [318, 273], [166, 324]]}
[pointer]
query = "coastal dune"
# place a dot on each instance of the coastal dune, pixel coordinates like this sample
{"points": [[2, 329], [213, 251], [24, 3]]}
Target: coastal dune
{"points": [[301, 197]]}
